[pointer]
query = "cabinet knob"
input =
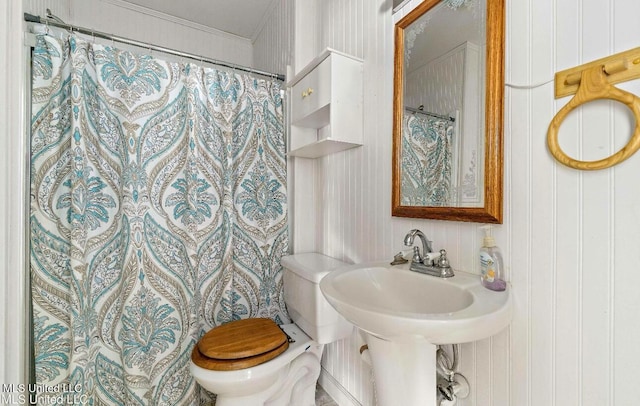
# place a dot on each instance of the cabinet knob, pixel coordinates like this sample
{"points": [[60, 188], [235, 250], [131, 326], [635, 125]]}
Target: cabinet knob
{"points": [[307, 92]]}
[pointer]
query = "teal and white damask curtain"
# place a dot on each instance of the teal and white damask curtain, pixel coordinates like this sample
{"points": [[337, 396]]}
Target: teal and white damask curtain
{"points": [[158, 210], [426, 163]]}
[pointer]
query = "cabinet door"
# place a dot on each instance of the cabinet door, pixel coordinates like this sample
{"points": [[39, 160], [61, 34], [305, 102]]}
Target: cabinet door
{"points": [[311, 97]]}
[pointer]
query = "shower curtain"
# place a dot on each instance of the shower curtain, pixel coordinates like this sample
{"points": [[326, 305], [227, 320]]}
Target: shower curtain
{"points": [[158, 211], [426, 163]]}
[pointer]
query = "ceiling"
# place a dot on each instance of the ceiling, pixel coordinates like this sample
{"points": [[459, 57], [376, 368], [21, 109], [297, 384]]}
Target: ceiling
{"points": [[244, 18]]}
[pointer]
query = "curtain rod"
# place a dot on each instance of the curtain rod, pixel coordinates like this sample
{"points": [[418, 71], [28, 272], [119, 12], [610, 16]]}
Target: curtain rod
{"points": [[54, 23], [426, 113]]}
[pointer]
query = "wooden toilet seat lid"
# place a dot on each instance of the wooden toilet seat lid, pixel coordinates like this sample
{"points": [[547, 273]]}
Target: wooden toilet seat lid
{"points": [[235, 364], [242, 339]]}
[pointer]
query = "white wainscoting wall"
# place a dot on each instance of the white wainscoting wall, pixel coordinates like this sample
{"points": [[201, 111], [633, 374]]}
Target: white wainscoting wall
{"points": [[127, 20], [443, 77], [569, 238], [13, 328]]}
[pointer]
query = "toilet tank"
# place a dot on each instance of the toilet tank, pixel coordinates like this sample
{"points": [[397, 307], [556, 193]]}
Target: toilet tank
{"points": [[305, 302]]}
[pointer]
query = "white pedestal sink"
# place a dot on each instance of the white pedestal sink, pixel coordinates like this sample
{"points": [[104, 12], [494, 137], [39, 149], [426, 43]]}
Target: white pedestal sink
{"points": [[406, 314]]}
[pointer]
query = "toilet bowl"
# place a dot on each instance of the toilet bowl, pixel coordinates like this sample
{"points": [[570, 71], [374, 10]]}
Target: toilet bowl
{"points": [[289, 378]]}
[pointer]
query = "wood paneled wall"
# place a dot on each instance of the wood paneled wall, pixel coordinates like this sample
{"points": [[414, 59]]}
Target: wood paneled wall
{"points": [[125, 19], [14, 335], [569, 238]]}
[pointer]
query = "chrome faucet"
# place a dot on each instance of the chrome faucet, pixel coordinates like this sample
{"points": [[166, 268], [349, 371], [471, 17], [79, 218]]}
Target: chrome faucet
{"points": [[426, 244], [428, 263]]}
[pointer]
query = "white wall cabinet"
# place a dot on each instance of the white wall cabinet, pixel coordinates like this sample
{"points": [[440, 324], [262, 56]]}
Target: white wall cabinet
{"points": [[326, 106]]}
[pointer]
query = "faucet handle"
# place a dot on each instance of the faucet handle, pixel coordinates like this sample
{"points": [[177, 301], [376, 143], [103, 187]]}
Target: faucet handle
{"points": [[443, 262], [430, 258], [416, 255]]}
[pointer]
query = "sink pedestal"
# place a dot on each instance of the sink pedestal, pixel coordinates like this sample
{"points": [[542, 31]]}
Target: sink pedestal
{"points": [[403, 312], [405, 370]]}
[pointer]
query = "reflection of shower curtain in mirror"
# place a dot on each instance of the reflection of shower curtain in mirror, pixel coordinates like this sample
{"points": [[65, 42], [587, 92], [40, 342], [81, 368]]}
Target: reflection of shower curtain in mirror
{"points": [[158, 210], [426, 161]]}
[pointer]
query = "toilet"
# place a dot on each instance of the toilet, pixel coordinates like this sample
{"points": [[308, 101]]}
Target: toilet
{"points": [[253, 362]]}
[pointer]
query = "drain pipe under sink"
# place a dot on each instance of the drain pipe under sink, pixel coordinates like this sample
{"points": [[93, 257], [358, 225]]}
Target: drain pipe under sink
{"points": [[451, 384]]}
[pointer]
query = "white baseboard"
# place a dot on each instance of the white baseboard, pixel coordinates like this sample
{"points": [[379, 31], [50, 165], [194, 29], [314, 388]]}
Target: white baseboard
{"points": [[338, 392]]}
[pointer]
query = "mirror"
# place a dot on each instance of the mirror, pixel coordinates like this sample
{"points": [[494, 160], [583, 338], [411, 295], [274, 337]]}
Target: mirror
{"points": [[448, 111]]}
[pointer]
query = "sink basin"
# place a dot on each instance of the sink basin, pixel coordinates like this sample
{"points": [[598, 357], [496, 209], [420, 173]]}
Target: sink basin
{"points": [[391, 301], [405, 315]]}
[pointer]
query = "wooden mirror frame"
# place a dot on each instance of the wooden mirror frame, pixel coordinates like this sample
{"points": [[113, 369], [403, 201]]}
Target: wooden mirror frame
{"points": [[494, 105]]}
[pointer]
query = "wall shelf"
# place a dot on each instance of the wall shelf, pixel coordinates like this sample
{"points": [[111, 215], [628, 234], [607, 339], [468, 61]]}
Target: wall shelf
{"points": [[323, 147]]}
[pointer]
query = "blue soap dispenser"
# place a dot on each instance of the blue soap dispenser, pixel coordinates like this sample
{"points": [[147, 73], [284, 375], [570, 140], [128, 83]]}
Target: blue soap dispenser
{"points": [[491, 265]]}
